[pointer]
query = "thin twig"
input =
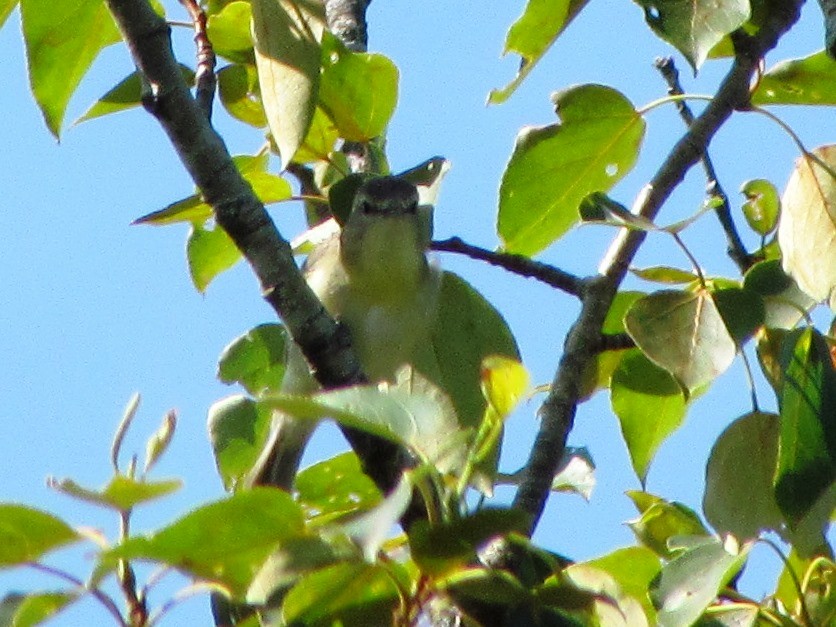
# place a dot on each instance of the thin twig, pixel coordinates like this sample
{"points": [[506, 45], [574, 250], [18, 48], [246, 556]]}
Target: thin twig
{"points": [[518, 264], [736, 250], [205, 79]]}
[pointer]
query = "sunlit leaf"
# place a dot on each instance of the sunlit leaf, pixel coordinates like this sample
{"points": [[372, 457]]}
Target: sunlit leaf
{"points": [[807, 444], [358, 90], [662, 521], [741, 469], [238, 429], [532, 35], [6, 7], [158, 443], [694, 26], [239, 94], [335, 486], [255, 359], [684, 333], [369, 529], [649, 405], [575, 473], [127, 94], [209, 252], [554, 167], [807, 229], [762, 206], [121, 493], [224, 542], [229, 31], [287, 54], [807, 81], [610, 605], [633, 568], [319, 142], [62, 41], [665, 274], [27, 533]]}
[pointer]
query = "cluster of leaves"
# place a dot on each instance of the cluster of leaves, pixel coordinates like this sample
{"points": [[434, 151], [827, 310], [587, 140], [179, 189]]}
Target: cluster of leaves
{"points": [[325, 555]]}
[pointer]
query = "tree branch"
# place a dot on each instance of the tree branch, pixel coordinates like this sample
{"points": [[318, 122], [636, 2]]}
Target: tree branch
{"points": [[828, 7], [239, 212], [736, 250], [558, 410], [347, 22], [518, 264]]}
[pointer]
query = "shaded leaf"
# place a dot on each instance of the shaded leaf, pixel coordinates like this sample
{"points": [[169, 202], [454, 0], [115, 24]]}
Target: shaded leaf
{"points": [[649, 405], [740, 469], [694, 27], [349, 594], [784, 304], [807, 81], [256, 359], [238, 429], [575, 473], [62, 41], [684, 333], [807, 442], [358, 90], [665, 274], [554, 167], [762, 205], [688, 584], [209, 252], [225, 542], [807, 229], [532, 35], [742, 310], [633, 568], [287, 54], [371, 528], [121, 493], [6, 7], [610, 606], [27, 533]]}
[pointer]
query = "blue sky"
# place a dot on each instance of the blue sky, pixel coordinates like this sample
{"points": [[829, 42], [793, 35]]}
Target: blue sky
{"points": [[95, 309]]}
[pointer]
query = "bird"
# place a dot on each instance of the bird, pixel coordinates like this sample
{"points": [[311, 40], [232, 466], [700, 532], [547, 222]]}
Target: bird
{"points": [[375, 278]]}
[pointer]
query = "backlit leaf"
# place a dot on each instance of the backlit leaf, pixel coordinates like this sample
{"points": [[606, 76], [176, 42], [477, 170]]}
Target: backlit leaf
{"points": [[239, 94], [27, 533], [762, 205], [553, 168], [807, 229], [807, 81], [255, 359], [209, 252], [694, 26], [238, 429]]}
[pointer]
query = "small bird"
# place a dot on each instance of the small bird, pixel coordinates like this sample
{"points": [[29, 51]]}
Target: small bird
{"points": [[375, 278]]}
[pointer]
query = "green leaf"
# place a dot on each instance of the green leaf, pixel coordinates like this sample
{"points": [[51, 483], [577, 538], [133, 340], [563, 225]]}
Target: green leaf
{"points": [[684, 333], [662, 521], [504, 382], [554, 167], [370, 529], [694, 27], [742, 310], [209, 252], [238, 429], [420, 418], [665, 274], [127, 94], [649, 405], [26, 534], [741, 469], [532, 35], [158, 443], [575, 473], [287, 54], [688, 584], [121, 493], [807, 442], [335, 487], [239, 94], [225, 542], [256, 359], [191, 209], [807, 229], [598, 373], [762, 206], [785, 305], [319, 142], [358, 90], [807, 81], [348, 594], [62, 41], [610, 606], [229, 31], [34, 609], [6, 7], [633, 568], [439, 549]]}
